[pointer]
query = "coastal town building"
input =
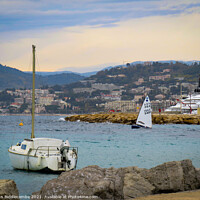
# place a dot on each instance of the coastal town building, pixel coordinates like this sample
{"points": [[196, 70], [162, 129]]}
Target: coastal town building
{"points": [[161, 105], [28, 100], [19, 100], [44, 100], [98, 97], [116, 92], [147, 63], [163, 89], [140, 81], [160, 96], [166, 70], [81, 90], [110, 97], [138, 97], [38, 109], [122, 106], [162, 77], [106, 86]]}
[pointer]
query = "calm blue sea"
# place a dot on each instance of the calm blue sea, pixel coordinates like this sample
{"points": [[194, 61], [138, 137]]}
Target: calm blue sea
{"points": [[103, 144]]}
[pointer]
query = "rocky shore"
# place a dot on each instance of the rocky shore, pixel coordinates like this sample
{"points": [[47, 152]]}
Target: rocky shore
{"points": [[8, 189], [130, 118], [94, 182], [190, 195]]}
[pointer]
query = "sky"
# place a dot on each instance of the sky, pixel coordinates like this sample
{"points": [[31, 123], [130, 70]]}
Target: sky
{"points": [[88, 35]]}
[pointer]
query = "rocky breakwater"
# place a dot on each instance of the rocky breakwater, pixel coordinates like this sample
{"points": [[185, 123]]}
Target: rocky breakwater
{"points": [[130, 118], [94, 182], [8, 189]]}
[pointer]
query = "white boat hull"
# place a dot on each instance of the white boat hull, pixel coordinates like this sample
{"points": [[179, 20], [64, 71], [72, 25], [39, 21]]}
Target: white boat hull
{"points": [[52, 154], [37, 163], [25, 162]]}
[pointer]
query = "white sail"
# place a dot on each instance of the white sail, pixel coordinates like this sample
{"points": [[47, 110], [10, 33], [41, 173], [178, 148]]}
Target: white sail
{"points": [[144, 118]]}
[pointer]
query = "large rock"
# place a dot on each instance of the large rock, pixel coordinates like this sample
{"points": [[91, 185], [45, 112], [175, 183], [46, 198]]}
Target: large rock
{"points": [[134, 184], [89, 182], [123, 183], [186, 195], [173, 177], [8, 189]]}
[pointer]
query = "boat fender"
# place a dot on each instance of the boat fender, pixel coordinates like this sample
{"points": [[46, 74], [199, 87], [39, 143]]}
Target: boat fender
{"points": [[74, 152], [39, 160]]}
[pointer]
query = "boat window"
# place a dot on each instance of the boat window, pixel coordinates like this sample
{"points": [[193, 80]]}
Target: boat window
{"points": [[23, 146]]}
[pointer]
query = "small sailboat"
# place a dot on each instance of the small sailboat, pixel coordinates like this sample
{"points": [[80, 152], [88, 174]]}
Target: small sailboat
{"points": [[144, 119], [42, 153]]}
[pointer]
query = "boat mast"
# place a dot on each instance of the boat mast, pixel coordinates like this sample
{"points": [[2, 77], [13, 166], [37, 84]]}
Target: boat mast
{"points": [[33, 94], [181, 98]]}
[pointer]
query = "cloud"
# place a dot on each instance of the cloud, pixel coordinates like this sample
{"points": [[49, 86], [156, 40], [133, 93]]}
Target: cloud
{"points": [[149, 38], [63, 7], [29, 14]]}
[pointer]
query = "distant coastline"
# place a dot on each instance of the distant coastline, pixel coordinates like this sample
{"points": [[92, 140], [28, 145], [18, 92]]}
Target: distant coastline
{"points": [[21, 114], [124, 118]]}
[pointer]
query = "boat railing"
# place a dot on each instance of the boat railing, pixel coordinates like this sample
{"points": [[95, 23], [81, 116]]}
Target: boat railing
{"points": [[49, 149]]}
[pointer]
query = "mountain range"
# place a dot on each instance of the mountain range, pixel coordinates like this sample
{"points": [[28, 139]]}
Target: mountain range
{"points": [[88, 74], [85, 74], [14, 78]]}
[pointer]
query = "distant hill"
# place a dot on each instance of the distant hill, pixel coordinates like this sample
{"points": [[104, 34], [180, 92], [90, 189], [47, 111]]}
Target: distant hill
{"points": [[190, 70], [85, 74], [88, 74], [129, 73], [162, 61], [159, 80], [61, 79], [14, 78]]}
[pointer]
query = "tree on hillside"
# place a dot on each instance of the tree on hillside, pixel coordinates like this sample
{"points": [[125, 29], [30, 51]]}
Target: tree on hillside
{"points": [[5, 97]]}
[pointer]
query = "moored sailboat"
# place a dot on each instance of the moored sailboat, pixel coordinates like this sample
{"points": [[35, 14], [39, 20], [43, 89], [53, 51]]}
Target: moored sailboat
{"points": [[42, 153]]}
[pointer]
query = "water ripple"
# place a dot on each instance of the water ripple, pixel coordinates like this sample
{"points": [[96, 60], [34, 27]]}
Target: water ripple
{"points": [[103, 144]]}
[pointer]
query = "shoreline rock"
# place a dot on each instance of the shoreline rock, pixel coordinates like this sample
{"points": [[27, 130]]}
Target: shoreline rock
{"points": [[8, 189], [94, 182], [130, 118], [189, 195]]}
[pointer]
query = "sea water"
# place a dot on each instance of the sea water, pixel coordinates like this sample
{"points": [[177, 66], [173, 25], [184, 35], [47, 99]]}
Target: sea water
{"points": [[102, 144]]}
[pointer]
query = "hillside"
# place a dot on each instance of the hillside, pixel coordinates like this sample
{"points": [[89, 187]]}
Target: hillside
{"points": [[130, 73], [161, 81], [14, 78], [108, 88]]}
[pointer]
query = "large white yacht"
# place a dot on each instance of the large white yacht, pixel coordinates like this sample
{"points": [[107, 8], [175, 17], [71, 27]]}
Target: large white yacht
{"points": [[188, 105]]}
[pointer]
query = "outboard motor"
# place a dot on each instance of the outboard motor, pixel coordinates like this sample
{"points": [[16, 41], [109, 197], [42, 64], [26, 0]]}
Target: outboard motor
{"points": [[64, 150]]}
